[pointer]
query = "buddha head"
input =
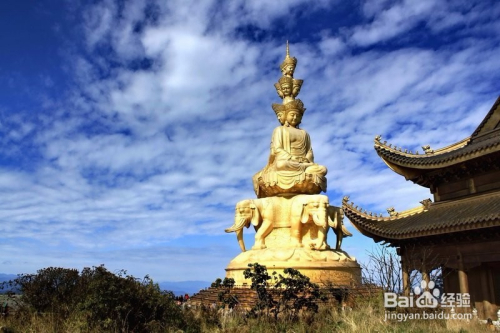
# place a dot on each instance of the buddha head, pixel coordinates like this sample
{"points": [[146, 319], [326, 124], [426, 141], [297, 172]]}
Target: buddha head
{"points": [[286, 85], [288, 65], [293, 113], [280, 112], [293, 118]]}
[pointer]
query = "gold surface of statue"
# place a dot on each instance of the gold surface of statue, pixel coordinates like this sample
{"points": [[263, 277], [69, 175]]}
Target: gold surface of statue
{"points": [[290, 217], [290, 168], [287, 87]]}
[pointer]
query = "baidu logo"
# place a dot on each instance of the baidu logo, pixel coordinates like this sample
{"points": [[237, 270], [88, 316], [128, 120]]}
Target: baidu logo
{"points": [[427, 299], [427, 296]]}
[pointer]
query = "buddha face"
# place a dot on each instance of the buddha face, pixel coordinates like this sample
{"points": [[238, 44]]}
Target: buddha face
{"points": [[288, 70], [293, 117], [286, 89], [281, 117]]}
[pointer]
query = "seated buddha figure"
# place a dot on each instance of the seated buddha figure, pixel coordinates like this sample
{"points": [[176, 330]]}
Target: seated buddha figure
{"points": [[291, 168]]}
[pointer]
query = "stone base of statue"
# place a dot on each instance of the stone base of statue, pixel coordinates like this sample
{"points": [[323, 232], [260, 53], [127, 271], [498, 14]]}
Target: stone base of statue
{"points": [[323, 267], [304, 249], [266, 190], [269, 183]]}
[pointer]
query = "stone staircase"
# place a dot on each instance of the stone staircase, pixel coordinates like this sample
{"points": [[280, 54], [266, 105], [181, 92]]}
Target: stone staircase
{"points": [[247, 297]]}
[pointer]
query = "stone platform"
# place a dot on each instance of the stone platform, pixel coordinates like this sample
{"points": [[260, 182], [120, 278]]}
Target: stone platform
{"points": [[247, 297], [321, 266]]}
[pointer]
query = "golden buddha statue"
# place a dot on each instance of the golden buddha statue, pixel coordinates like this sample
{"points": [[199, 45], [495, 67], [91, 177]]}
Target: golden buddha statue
{"points": [[291, 168], [290, 216]]}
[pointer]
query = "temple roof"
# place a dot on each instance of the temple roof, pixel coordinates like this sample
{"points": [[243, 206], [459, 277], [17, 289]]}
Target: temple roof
{"points": [[484, 141], [471, 213]]}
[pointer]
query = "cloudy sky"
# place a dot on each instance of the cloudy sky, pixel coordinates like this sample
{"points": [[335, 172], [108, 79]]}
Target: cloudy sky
{"points": [[130, 129]]}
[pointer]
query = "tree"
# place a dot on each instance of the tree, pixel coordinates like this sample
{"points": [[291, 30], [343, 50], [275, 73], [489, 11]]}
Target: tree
{"points": [[225, 295], [52, 289], [383, 269], [288, 294]]}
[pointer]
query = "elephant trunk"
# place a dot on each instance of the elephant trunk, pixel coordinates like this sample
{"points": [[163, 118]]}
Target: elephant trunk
{"points": [[239, 236], [320, 218], [238, 228]]}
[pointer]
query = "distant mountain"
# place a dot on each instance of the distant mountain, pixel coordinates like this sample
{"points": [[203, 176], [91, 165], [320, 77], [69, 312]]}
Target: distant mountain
{"points": [[184, 287], [4, 278], [7, 277], [178, 288]]}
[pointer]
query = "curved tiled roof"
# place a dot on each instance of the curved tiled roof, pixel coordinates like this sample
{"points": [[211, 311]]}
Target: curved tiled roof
{"points": [[485, 140], [451, 155], [472, 213], [490, 121]]}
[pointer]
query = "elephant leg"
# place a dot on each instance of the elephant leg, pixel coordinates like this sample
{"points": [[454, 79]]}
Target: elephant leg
{"points": [[340, 235], [321, 244], [261, 234], [339, 243], [295, 235]]}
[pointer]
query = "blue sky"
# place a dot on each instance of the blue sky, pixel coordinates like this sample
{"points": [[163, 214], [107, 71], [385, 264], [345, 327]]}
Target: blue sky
{"points": [[130, 129]]}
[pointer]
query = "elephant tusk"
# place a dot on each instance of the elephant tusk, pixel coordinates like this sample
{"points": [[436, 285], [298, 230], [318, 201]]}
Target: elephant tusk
{"points": [[237, 226]]}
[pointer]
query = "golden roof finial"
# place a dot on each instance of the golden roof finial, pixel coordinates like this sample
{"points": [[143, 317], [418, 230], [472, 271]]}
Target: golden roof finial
{"points": [[287, 50]]}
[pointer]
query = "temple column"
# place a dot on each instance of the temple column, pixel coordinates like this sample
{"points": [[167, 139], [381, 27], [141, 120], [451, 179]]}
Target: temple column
{"points": [[425, 274], [462, 275], [487, 306], [405, 275], [492, 287]]}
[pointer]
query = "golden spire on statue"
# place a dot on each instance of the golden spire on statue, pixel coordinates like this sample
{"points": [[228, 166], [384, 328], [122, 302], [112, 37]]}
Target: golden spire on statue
{"points": [[287, 87]]}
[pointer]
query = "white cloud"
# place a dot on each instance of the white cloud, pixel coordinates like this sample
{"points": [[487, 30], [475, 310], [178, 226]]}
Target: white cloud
{"points": [[393, 21], [139, 161]]}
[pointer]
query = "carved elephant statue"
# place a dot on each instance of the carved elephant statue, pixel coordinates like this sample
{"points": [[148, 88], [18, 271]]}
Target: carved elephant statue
{"points": [[336, 221], [309, 208], [256, 212], [245, 213]]}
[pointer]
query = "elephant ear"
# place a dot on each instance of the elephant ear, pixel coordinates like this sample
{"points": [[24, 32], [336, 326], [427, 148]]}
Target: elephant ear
{"points": [[332, 217], [255, 215]]}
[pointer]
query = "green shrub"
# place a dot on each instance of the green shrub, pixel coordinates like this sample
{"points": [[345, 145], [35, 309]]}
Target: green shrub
{"points": [[101, 300], [50, 290]]}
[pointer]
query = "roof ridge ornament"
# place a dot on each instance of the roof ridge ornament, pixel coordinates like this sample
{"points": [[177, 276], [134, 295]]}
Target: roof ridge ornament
{"points": [[392, 212], [378, 142], [427, 149], [426, 203]]}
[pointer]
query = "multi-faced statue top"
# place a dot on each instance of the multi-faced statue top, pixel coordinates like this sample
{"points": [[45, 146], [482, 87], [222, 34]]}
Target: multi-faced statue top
{"points": [[291, 169]]}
